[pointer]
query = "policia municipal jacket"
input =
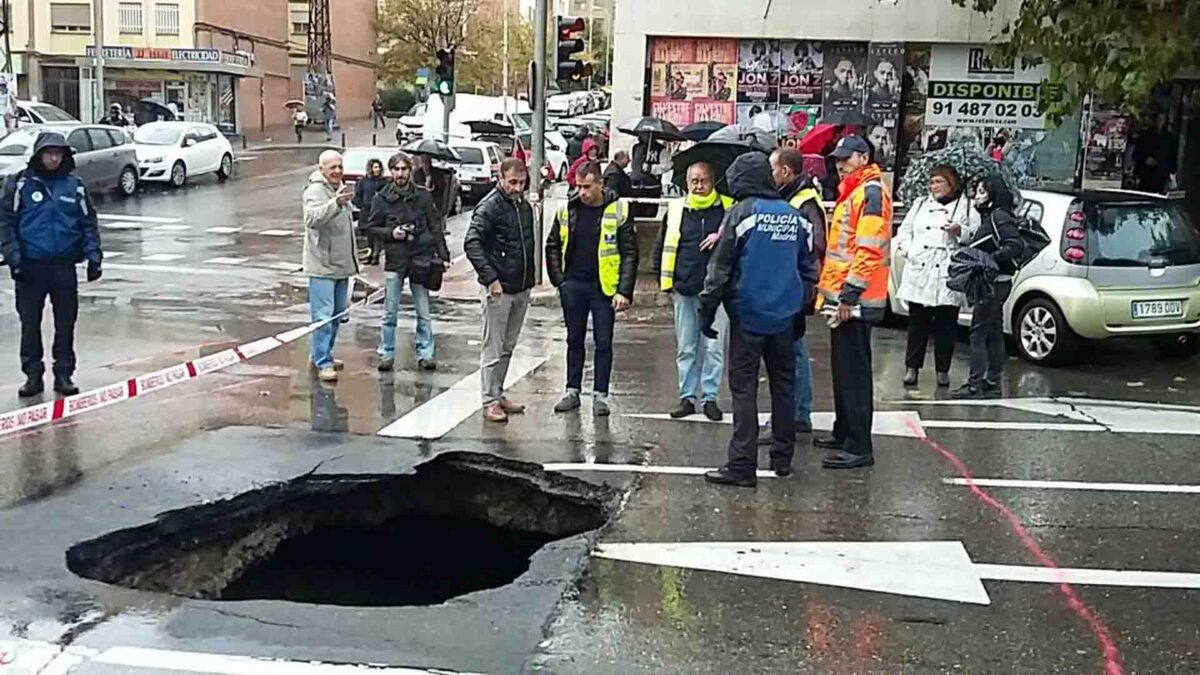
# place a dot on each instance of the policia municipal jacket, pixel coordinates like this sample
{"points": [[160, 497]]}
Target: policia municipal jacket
{"points": [[617, 251], [678, 261]]}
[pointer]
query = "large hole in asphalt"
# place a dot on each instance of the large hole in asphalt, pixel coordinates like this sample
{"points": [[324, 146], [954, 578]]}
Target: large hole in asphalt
{"points": [[462, 523]]}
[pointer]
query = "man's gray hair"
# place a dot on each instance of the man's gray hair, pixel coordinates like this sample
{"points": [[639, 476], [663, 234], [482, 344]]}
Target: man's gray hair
{"points": [[328, 156], [621, 155]]}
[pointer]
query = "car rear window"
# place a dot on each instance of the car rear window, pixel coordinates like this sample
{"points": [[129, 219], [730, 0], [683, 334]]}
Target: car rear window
{"points": [[1136, 234], [51, 114], [471, 155]]}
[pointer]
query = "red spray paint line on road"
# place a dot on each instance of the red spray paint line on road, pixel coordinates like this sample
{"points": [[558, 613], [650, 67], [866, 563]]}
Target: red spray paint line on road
{"points": [[1112, 658]]}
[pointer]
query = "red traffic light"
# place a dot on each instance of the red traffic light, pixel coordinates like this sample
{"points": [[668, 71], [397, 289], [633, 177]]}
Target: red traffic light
{"points": [[569, 25]]}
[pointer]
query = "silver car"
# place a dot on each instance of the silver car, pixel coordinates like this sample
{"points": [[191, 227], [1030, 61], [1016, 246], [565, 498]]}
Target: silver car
{"points": [[104, 155], [1119, 265]]}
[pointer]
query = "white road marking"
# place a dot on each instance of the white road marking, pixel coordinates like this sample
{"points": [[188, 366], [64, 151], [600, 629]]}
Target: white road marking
{"points": [[245, 158], [172, 228], [1128, 417], [225, 261], [458, 258], [166, 269], [137, 219], [640, 468], [163, 257], [285, 266], [113, 254], [1165, 488], [122, 225], [28, 656], [223, 230], [277, 233], [1009, 426], [886, 423], [940, 570], [1088, 577], [437, 417]]}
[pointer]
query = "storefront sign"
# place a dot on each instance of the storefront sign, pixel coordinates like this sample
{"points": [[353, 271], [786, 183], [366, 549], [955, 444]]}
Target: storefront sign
{"points": [[966, 89], [240, 59]]}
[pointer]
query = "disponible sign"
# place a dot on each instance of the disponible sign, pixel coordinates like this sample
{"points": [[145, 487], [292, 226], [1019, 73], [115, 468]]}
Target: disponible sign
{"points": [[966, 89]]}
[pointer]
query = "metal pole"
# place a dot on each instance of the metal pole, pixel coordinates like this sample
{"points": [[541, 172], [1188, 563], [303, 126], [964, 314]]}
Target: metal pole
{"points": [[98, 72], [504, 66], [446, 118], [608, 44], [591, 34], [539, 129]]}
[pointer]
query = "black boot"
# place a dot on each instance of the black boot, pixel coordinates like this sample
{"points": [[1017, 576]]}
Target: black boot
{"points": [[685, 408], [911, 376], [64, 385], [32, 387]]}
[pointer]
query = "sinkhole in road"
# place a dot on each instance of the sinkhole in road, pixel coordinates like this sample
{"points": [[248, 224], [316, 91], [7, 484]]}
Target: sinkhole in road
{"points": [[463, 522]]}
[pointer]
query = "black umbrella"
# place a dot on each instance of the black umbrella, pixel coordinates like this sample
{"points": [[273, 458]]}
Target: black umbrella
{"points": [[717, 154], [433, 149], [652, 126], [700, 131], [973, 273], [849, 118]]}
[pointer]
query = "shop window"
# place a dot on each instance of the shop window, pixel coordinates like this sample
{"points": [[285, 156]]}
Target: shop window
{"points": [[166, 18], [129, 18], [66, 18]]}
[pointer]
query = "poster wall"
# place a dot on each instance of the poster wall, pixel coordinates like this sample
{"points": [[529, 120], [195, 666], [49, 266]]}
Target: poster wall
{"points": [[802, 73], [1104, 156], [845, 75], [693, 79], [882, 103], [968, 89]]}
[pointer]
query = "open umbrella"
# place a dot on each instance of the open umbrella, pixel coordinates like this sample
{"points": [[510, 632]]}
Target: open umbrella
{"points": [[755, 137], [717, 154], [849, 118], [654, 127], [774, 122], [967, 157], [700, 131], [814, 141], [432, 148], [293, 104]]}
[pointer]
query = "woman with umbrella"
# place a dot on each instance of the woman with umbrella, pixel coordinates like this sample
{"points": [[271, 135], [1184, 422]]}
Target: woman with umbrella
{"points": [[936, 225]]}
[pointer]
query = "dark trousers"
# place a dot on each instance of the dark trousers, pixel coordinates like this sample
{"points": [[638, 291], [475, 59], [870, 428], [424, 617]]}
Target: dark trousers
{"points": [[940, 323], [987, 339], [578, 301], [853, 386], [778, 353], [60, 283]]}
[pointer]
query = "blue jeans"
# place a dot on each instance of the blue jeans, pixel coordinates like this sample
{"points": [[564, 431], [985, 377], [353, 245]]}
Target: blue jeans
{"points": [[326, 298], [804, 386], [424, 335], [689, 344], [328, 127]]}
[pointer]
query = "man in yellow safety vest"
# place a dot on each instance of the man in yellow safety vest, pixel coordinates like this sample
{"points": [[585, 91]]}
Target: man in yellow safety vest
{"points": [[592, 258], [690, 231]]}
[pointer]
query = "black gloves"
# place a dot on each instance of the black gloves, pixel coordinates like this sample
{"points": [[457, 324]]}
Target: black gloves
{"points": [[708, 315], [93, 271]]}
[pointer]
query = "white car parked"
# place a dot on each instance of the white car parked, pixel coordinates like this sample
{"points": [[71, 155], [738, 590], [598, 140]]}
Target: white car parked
{"points": [[171, 152]]}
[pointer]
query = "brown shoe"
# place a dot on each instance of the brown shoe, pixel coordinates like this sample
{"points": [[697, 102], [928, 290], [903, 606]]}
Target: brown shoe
{"points": [[511, 408], [495, 413]]}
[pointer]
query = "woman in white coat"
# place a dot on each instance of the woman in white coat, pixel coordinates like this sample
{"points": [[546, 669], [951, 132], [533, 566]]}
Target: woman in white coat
{"points": [[935, 226]]}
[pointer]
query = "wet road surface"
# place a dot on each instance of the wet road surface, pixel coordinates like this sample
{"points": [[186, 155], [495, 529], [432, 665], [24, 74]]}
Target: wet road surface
{"points": [[1097, 486]]}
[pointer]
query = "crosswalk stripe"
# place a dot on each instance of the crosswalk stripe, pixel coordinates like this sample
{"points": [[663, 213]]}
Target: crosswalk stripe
{"points": [[163, 257], [225, 261], [137, 219], [223, 230]]}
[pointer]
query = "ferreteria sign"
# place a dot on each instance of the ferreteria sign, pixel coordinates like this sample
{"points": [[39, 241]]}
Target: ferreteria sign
{"points": [[174, 55], [966, 89]]}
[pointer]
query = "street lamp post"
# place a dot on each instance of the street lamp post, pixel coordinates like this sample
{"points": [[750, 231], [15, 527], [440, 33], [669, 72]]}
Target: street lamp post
{"points": [[98, 67]]}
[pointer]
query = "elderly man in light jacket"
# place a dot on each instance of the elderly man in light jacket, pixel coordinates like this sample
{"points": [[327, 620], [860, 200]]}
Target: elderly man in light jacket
{"points": [[330, 256]]}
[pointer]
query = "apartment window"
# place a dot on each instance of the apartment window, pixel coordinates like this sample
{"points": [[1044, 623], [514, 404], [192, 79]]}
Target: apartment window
{"points": [[129, 18], [166, 18], [299, 22], [66, 18]]}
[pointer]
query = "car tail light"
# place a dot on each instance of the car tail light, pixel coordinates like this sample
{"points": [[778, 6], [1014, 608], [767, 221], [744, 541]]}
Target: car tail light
{"points": [[1075, 254], [1076, 234], [1074, 242]]}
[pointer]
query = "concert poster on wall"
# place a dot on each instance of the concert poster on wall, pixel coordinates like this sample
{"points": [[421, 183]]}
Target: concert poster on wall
{"points": [[845, 73], [693, 79], [758, 71], [802, 73]]}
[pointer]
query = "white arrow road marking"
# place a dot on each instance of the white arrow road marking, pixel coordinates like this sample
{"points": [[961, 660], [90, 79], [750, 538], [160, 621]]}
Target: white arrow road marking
{"points": [[940, 570], [1088, 577], [1077, 485], [886, 423], [641, 468], [438, 416], [1129, 417]]}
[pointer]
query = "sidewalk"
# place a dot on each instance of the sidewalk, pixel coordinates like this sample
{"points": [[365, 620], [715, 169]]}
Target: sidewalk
{"points": [[351, 133]]}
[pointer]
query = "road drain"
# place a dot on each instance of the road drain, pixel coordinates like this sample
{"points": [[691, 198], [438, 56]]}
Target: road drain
{"points": [[464, 522]]}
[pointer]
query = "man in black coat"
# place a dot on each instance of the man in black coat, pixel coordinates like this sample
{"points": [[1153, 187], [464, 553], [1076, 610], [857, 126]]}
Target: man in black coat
{"points": [[615, 178], [592, 258], [500, 246], [404, 218], [575, 145], [998, 236]]}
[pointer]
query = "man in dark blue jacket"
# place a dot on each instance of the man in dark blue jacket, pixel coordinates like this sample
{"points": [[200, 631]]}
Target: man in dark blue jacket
{"points": [[763, 272], [47, 226]]}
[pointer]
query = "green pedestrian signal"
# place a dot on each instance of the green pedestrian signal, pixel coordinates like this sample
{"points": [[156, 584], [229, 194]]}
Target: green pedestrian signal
{"points": [[444, 72]]}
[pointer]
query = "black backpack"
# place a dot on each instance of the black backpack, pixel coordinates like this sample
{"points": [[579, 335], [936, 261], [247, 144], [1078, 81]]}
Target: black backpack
{"points": [[1033, 239]]}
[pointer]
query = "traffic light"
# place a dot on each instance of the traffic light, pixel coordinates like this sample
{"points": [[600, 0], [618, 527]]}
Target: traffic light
{"points": [[567, 67], [444, 73]]}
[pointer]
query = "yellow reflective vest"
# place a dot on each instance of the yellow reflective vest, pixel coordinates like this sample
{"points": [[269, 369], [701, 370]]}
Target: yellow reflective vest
{"points": [[666, 277], [615, 215]]}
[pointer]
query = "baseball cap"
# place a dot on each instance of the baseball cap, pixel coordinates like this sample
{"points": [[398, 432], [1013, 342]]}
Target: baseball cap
{"points": [[849, 145]]}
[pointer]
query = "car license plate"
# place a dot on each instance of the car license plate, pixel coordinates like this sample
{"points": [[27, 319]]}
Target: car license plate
{"points": [[1157, 309]]}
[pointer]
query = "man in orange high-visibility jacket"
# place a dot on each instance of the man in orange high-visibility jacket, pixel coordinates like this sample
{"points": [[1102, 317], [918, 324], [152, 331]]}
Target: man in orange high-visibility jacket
{"points": [[854, 285]]}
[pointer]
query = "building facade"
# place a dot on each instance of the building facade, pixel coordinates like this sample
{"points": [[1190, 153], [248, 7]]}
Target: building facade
{"points": [[917, 73], [355, 53], [215, 61]]}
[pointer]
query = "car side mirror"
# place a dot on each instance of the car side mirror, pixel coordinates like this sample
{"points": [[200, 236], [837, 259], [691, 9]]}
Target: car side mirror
{"points": [[189, 142]]}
